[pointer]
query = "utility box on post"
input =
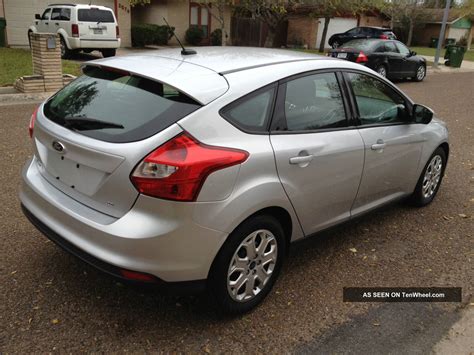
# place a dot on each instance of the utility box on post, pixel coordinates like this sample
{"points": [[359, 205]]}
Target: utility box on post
{"points": [[47, 67]]}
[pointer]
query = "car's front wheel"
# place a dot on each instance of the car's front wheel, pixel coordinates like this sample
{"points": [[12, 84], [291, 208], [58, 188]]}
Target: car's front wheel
{"points": [[430, 179], [248, 264], [420, 73]]}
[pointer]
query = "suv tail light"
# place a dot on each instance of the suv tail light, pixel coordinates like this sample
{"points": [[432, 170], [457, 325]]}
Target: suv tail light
{"points": [[75, 30], [177, 169], [383, 36], [362, 58], [117, 32], [31, 126]]}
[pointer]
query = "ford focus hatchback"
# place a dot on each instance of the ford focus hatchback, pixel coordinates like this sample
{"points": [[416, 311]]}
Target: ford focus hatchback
{"points": [[200, 170]]}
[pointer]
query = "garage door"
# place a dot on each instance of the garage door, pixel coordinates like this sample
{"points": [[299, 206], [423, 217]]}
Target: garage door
{"points": [[20, 15], [336, 25]]}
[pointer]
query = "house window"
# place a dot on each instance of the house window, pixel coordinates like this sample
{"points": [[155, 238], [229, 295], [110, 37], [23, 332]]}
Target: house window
{"points": [[199, 17]]}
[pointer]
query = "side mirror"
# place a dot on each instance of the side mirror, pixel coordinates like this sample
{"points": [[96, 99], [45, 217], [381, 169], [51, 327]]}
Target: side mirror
{"points": [[422, 114], [37, 17]]}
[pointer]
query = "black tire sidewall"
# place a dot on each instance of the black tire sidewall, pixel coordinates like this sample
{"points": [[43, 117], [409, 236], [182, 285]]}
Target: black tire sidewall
{"points": [[217, 282], [417, 198]]}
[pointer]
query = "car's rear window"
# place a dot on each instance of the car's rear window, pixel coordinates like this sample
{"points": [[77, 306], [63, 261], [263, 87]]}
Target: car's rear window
{"points": [[116, 106], [361, 44], [95, 15]]}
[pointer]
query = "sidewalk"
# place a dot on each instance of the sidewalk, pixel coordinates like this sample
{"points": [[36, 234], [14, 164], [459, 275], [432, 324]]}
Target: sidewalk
{"points": [[466, 66]]}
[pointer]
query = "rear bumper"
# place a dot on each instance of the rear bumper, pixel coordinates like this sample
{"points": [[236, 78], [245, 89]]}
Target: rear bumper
{"points": [[154, 237], [77, 43]]}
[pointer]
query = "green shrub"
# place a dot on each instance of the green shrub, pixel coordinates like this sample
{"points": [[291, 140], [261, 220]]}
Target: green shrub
{"points": [[194, 36], [216, 37], [146, 34]]}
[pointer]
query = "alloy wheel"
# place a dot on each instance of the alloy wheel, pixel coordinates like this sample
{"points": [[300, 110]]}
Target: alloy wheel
{"points": [[382, 71], [420, 73], [252, 265], [432, 176]]}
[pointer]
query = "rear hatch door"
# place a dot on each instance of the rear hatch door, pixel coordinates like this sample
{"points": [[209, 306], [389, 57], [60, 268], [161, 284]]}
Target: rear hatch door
{"points": [[89, 137]]}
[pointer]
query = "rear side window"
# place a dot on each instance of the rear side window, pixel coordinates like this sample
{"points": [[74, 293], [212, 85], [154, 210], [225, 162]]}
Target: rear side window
{"points": [[252, 112], [95, 15], [117, 106], [314, 102]]}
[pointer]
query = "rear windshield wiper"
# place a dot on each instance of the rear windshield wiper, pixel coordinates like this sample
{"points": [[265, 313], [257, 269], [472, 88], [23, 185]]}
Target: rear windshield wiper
{"points": [[88, 124]]}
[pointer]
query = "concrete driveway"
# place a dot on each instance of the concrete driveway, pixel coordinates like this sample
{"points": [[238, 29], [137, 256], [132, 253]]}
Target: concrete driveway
{"points": [[51, 302]]}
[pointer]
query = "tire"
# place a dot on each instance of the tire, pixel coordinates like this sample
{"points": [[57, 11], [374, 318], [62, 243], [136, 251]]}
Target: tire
{"points": [[109, 52], [254, 231], [420, 73], [66, 53], [335, 44], [29, 38], [422, 195], [382, 70]]}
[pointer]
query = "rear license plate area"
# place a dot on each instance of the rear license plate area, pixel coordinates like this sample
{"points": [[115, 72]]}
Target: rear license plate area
{"points": [[342, 55]]}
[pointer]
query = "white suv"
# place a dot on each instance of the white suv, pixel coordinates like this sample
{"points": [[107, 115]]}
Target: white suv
{"points": [[81, 27]]}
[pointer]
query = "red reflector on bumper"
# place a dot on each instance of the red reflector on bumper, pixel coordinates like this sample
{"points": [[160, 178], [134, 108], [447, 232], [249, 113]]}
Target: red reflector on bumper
{"points": [[137, 276]]}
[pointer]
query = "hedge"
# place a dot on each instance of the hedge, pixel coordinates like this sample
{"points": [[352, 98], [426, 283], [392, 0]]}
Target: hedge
{"points": [[146, 34]]}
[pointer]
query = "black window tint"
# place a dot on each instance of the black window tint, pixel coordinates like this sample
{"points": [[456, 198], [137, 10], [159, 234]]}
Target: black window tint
{"points": [[376, 101], [95, 15], [314, 102], [353, 31], [390, 47], [252, 112], [46, 14], [117, 106], [380, 49], [61, 14], [402, 49]]}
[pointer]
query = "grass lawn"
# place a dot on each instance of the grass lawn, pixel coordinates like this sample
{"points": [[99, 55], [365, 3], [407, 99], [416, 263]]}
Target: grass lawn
{"points": [[469, 55], [17, 62]]}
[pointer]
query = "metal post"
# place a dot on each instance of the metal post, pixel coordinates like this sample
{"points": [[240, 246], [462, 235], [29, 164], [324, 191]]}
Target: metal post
{"points": [[441, 33]]}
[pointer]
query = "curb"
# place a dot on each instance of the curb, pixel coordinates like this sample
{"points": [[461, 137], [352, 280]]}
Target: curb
{"points": [[11, 99]]}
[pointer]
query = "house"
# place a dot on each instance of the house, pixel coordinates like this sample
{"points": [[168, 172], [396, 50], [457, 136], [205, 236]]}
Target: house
{"points": [[20, 14], [181, 14], [306, 29], [457, 26]]}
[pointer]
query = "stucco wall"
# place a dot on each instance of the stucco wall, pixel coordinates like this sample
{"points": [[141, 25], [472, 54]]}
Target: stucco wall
{"points": [[176, 13], [20, 15], [302, 30]]}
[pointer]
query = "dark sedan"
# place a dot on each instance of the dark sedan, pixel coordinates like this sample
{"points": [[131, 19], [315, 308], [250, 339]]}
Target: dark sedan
{"points": [[338, 39], [391, 59]]}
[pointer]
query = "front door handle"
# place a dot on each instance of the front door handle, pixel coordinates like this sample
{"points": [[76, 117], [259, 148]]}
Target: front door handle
{"points": [[380, 145], [301, 159]]}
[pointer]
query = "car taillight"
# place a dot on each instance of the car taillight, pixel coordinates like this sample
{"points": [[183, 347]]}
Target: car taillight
{"points": [[31, 126], [177, 169], [117, 32], [75, 30], [383, 36], [362, 58]]}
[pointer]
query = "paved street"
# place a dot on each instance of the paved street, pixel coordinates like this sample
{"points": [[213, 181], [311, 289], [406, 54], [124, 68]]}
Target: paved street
{"points": [[49, 301]]}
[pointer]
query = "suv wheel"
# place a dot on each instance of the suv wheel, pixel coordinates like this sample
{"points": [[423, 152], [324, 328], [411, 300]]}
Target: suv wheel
{"points": [[65, 52], [109, 52], [430, 179], [248, 264]]}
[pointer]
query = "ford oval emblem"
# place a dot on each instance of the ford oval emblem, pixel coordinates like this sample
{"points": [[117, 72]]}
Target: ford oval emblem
{"points": [[59, 147]]}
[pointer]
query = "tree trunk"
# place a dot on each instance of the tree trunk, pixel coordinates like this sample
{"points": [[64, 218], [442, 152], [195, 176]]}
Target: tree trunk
{"points": [[222, 17], [325, 32], [270, 38], [410, 33]]}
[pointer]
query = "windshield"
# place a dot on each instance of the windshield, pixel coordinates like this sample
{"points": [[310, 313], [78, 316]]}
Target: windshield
{"points": [[117, 106]]}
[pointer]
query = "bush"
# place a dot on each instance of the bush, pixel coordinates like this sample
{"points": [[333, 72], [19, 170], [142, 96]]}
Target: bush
{"points": [[194, 36], [216, 37], [146, 34]]}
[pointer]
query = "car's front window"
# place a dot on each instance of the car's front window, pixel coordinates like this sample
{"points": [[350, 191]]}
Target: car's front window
{"points": [[117, 106], [376, 101], [402, 49], [46, 14]]}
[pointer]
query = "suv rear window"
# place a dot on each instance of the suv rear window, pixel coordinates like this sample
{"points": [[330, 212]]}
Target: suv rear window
{"points": [[95, 15], [116, 106]]}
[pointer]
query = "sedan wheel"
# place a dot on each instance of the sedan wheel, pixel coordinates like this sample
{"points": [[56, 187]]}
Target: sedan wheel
{"points": [[382, 71], [420, 73]]}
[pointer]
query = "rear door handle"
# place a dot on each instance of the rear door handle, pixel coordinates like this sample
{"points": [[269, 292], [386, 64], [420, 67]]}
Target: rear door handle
{"points": [[379, 145], [301, 159]]}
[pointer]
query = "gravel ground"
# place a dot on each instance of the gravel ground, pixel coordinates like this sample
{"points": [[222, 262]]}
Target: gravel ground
{"points": [[52, 302]]}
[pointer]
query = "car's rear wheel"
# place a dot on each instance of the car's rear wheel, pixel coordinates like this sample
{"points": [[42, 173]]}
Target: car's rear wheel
{"points": [[335, 44], [248, 264], [430, 179], [109, 52], [420, 73], [382, 70]]}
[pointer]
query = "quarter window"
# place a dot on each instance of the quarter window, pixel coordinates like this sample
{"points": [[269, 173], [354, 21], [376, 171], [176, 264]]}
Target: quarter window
{"points": [[377, 102], [252, 112], [314, 102]]}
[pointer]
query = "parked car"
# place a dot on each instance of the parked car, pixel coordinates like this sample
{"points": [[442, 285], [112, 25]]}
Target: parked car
{"points": [[200, 170], [81, 28], [339, 39], [391, 59]]}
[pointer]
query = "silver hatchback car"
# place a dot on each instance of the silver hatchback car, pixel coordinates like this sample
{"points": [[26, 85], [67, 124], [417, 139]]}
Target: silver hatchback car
{"points": [[200, 170]]}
